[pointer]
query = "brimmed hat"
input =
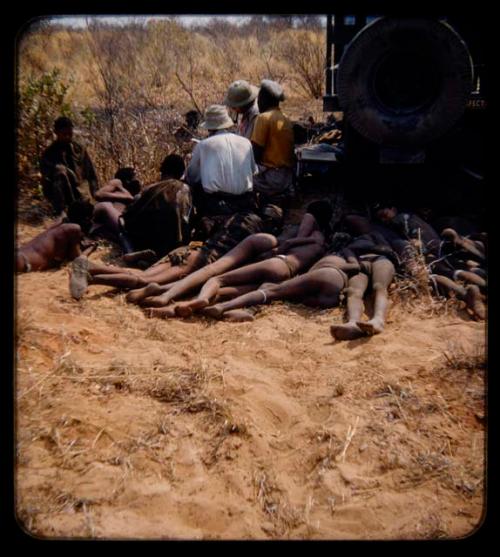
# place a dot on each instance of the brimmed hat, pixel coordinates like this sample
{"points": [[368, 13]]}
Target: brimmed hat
{"points": [[273, 88], [216, 118], [240, 93]]}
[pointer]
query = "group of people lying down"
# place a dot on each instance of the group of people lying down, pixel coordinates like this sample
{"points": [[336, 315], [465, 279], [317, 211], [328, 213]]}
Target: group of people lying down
{"points": [[245, 266]]}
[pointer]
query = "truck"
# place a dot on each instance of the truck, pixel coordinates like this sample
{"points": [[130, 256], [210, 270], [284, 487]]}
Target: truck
{"points": [[411, 97]]}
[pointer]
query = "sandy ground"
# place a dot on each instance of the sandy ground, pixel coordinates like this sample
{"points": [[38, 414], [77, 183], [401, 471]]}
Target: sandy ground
{"points": [[129, 427]]}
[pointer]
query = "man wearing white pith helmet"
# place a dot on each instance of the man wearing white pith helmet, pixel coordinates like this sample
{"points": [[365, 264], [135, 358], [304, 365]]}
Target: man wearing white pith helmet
{"points": [[241, 96], [222, 167]]}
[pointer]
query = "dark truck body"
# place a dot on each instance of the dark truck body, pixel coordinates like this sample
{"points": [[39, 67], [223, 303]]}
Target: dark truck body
{"points": [[441, 167]]}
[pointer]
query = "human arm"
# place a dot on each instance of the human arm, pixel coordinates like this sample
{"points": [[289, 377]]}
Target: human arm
{"points": [[89, 173], [193, 171], [259, 137], [114, 191]]}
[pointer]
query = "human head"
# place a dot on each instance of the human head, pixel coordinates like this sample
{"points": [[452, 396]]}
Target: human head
{"points": [[80, 212], [385, 210], [129, 179], [272, 216], [339, 241], [63, 128], [192, 119], [241, 95], [270, 95], [216, 118], [172, 167], [322, 211]]}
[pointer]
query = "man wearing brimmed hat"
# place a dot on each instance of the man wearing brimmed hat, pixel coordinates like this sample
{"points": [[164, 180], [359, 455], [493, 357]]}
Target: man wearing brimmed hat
{"points": [[67, 170], [224, 165], [273, 144], [241, 96]]}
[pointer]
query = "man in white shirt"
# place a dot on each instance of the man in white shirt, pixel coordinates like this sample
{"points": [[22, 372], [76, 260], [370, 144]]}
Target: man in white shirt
{"points": [[224, 165]]}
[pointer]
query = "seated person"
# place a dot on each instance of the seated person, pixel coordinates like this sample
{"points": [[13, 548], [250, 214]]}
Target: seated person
{"points": [[61, 242], [221, 169], [112, 200], [241, 96], [273, 145], [292, 257], [159, 219], [67, 171], [176, 264]]}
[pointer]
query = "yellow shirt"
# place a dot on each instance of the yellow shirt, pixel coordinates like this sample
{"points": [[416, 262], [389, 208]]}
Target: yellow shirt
{"points": [[274, 131]]}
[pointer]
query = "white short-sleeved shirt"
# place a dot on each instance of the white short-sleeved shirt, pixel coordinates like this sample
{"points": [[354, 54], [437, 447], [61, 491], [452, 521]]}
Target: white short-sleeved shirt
{"points": [[223, 163]]}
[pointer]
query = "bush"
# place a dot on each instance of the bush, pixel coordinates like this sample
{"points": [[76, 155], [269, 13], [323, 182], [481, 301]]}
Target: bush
{"points": [[41, 101]]}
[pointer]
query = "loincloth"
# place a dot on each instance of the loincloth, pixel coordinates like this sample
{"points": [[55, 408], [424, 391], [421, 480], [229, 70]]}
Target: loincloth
{"points": [[292, 271]]}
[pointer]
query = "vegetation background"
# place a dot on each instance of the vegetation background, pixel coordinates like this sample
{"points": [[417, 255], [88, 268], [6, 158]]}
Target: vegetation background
{"points": [[128, 86]]}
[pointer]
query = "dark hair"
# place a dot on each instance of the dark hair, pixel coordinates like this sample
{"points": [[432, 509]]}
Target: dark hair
{"points": [[62, 123], [126, 175], [80, 212], [322, 211], [272, 215], [193, 118], [173, 165]]}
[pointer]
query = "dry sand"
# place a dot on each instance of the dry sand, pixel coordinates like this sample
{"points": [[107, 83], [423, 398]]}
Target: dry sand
{"points": [[129, 427]]}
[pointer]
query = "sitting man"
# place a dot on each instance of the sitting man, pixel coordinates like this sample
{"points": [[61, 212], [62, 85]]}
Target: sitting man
{"points": [[176, 264], [273, 145], [159, 219], [61, 242], [67, 170], [242, 98], [287, 260], [222, 167]]}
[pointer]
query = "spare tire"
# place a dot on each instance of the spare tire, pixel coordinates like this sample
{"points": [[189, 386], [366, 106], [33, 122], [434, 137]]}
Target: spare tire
{"points": [[404, 81]]}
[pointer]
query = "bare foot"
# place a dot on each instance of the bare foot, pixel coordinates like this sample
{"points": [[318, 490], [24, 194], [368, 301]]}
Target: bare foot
{"points": [[153, 289], [214, 311], [79, 277], [162, 313], [474, 302], [186, 309], [348, 331], [238, 315], [156, 301], [372, 327]]}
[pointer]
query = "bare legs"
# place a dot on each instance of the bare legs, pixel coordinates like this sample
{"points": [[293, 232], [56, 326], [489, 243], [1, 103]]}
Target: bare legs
{"points": [[382, 273], [319, 288], [470, 294], [355, 291], [247, 249]]}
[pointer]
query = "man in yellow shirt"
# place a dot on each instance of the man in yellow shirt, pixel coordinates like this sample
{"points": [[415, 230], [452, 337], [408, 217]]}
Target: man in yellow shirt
{"points": [[273, 146]]}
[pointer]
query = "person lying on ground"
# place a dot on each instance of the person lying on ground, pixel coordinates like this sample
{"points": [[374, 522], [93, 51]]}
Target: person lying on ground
{"points": [[320, 287], [375, 270], [446, 267], [461, 271], [61, 242], [176, 264], [289, 259]]}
